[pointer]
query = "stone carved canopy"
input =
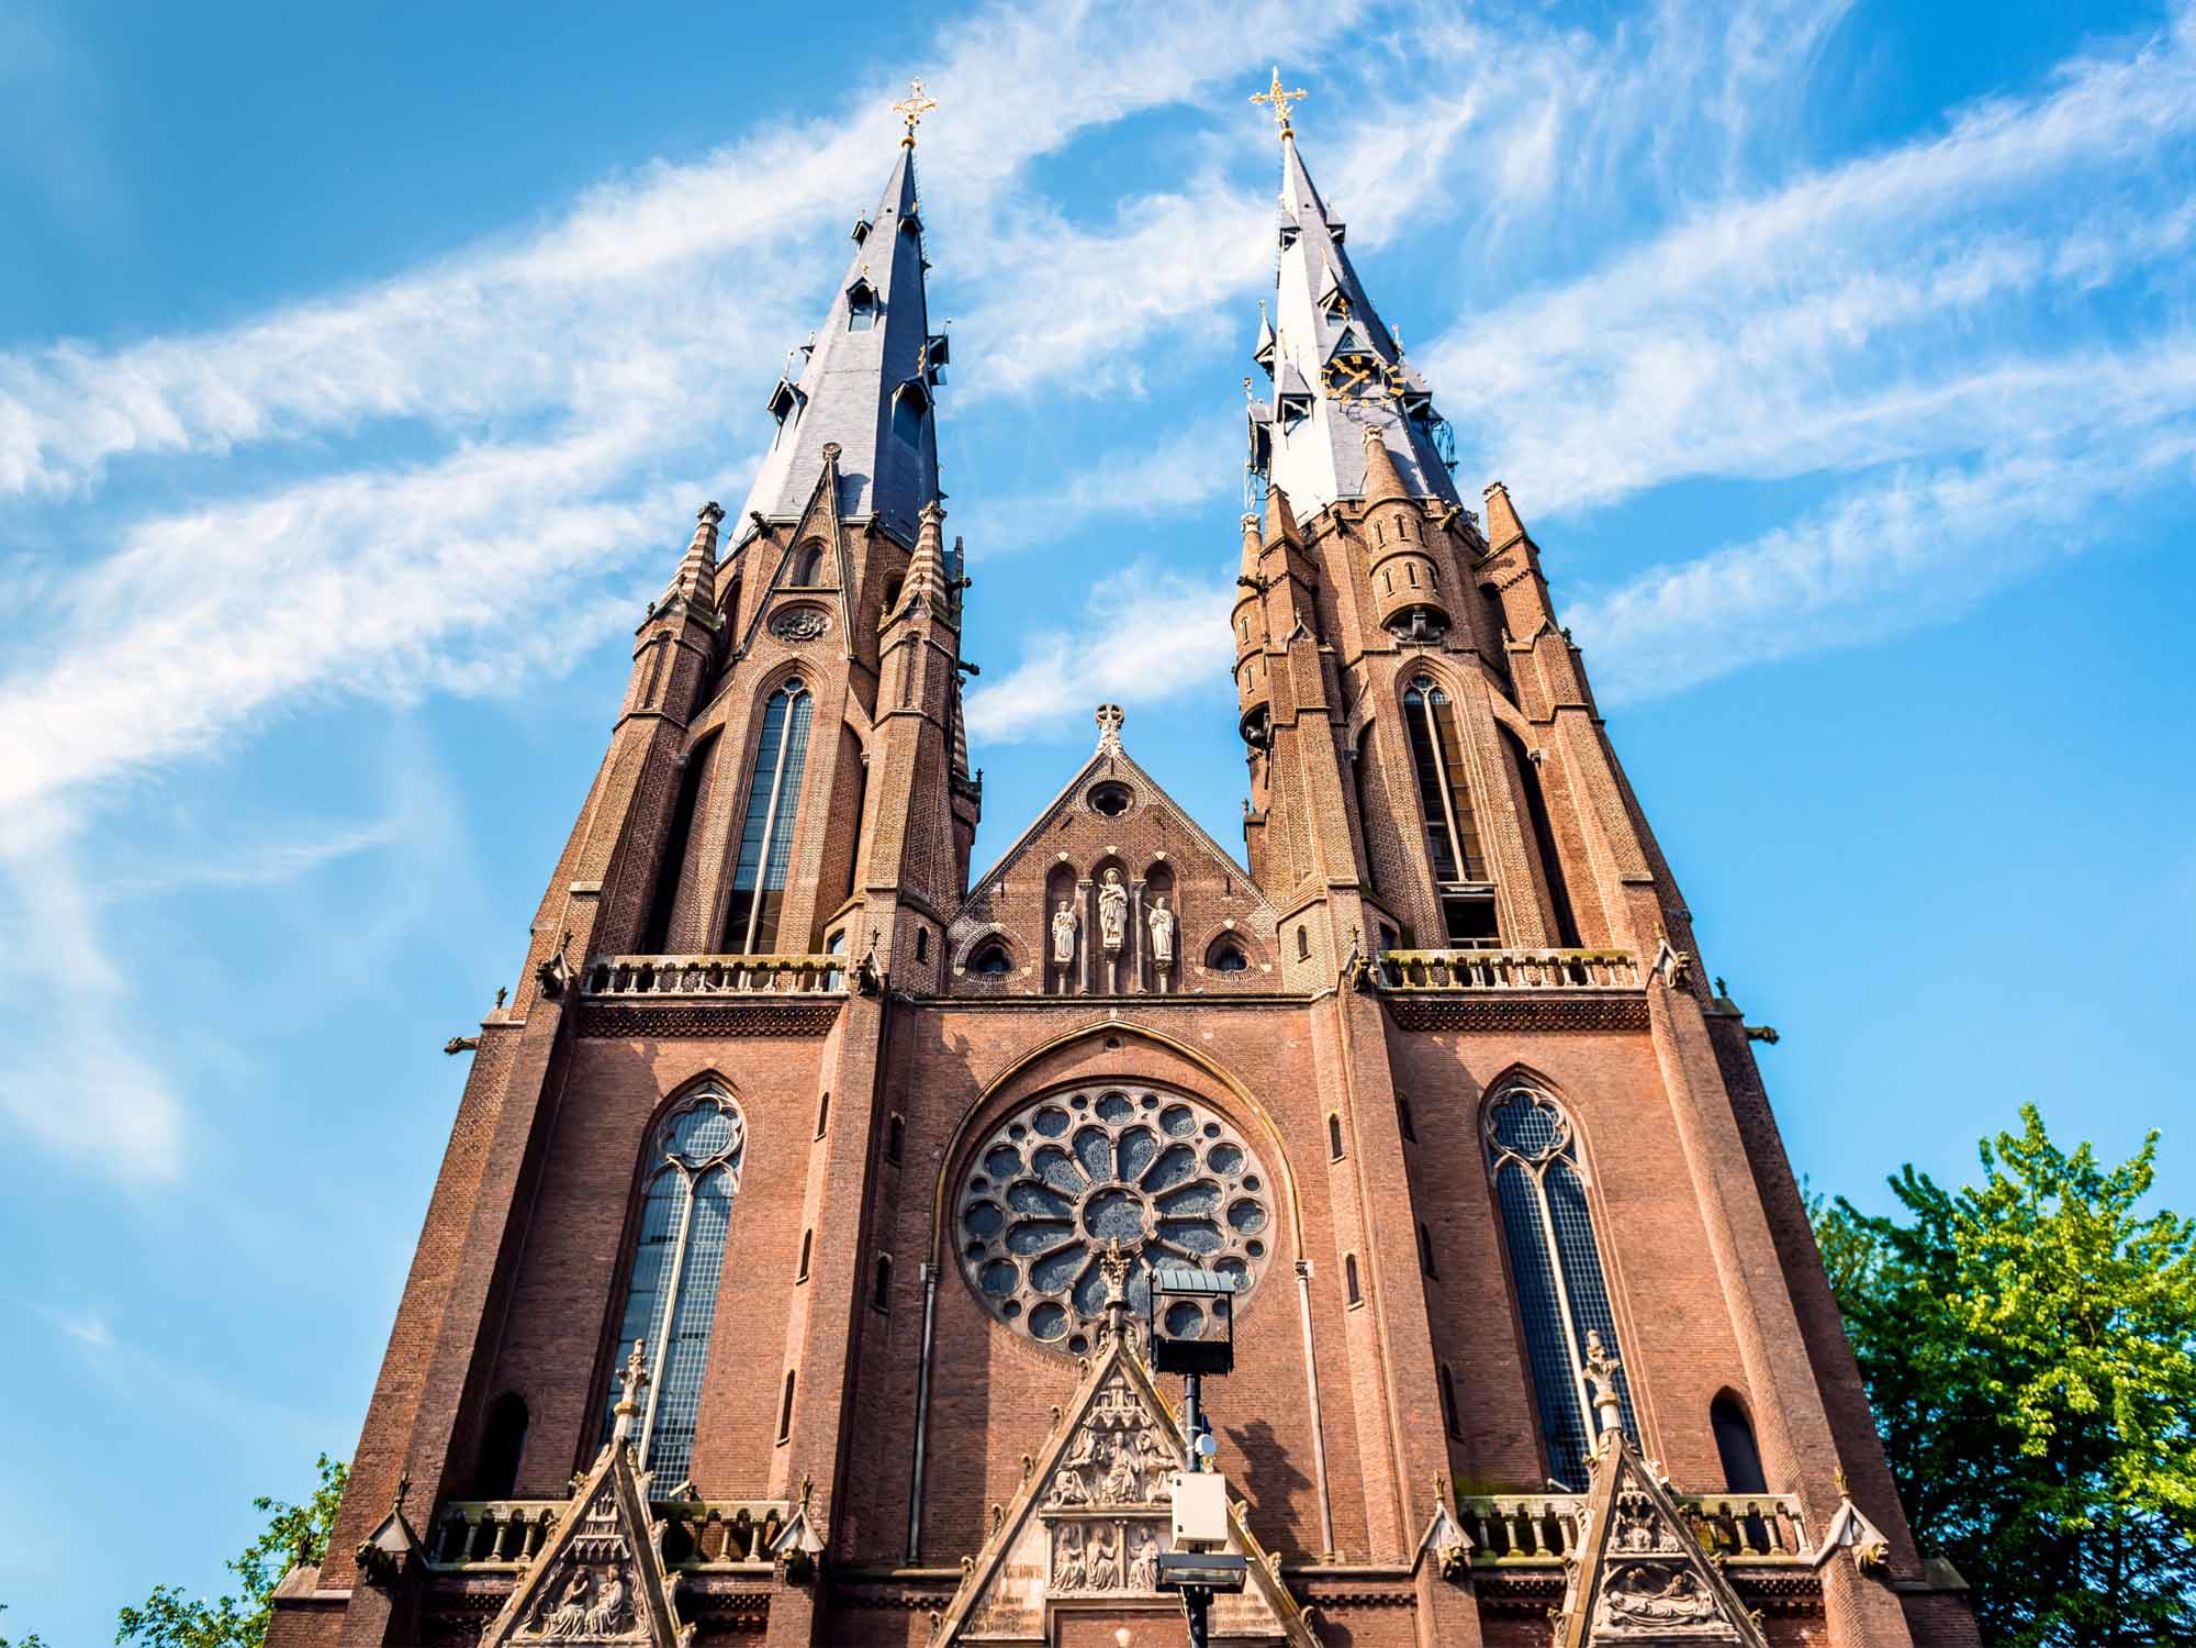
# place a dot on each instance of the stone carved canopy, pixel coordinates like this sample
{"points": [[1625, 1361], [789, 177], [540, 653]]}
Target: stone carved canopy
{"points": [[1066, 1175]]}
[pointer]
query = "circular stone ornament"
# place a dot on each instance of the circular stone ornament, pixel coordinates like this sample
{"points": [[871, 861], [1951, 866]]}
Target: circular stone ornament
{"points": [[799, 623], [1063, 1177]]}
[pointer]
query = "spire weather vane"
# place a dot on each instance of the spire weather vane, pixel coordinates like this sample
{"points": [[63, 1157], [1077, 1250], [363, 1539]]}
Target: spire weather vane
{"points": [[1280, 100], [912, 108]]}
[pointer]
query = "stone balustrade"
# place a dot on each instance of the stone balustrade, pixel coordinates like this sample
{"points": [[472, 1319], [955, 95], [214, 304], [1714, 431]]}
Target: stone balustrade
{"points": [[627, 978], [503, 1535], [1512, 1529], [1460, 970]]}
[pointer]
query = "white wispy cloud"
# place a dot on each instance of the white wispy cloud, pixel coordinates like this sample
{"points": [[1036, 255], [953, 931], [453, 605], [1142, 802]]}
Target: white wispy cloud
{"points": [[1146, 635]]}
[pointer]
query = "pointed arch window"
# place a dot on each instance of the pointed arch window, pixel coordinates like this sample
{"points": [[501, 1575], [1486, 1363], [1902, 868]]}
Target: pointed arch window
{"points": [[1453, 845], [1562, 1293], [671, 1289], [766, 831]]}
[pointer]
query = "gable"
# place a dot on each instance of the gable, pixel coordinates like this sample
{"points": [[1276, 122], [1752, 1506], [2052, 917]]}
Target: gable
{"points": [[1644, 1580], [1085, 1530], [1185, 903]]}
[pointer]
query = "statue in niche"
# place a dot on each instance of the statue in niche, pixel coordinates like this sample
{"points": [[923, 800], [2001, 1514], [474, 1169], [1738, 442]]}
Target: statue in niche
{"points": [[1121, 1484], [1113, 911], [1064, 925], [1144, 1566], [1067, 1564], [1105, 1558], [1161, 922]]}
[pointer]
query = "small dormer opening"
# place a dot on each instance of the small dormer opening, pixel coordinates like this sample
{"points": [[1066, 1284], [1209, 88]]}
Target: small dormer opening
{"points": [[861, 306], [910, 410], [1294, 410]]}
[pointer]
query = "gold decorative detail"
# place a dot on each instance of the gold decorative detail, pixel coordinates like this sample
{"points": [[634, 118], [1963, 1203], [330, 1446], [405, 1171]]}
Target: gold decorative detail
{"points": [[912, 108], [1279, 101]]}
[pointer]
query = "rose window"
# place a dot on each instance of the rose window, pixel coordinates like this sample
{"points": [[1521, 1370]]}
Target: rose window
{"points": [[1062, 1179]]}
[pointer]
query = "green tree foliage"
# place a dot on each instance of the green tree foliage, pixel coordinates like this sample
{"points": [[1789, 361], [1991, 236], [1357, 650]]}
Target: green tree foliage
{"points": [[34, 1640], [2029, 1345], [294, 1533]]}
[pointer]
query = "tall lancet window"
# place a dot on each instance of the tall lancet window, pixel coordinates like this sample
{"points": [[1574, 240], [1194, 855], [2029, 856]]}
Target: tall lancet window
{"points": [[693, 1173], [766, 832], [1452, 830], [1562, 1295]]}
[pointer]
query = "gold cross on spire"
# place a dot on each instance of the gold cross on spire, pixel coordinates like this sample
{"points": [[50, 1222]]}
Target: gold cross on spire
{"points": [[1280, 101], [912, 108]]}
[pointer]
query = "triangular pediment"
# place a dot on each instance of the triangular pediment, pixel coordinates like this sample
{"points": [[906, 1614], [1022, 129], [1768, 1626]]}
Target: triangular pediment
{"points": [[599, 1577], [1642, 1579], [1084, 1531]]}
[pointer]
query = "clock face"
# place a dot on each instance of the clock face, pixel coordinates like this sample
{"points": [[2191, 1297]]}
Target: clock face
{"points": [[1353, 376]]}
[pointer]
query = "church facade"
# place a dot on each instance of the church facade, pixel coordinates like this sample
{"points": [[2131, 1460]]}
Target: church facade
{"points": [[787, 1275]]}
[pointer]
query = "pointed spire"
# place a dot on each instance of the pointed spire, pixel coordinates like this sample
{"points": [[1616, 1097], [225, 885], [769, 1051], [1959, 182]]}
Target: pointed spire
{"points": [[1254, 548], [1337, 368], [926, 586], [695, 581], [1383, 484], [1503, 526], [868, 384]]}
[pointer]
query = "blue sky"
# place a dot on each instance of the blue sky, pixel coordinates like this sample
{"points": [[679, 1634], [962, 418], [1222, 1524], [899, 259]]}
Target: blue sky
{"points": [[361, 369]]}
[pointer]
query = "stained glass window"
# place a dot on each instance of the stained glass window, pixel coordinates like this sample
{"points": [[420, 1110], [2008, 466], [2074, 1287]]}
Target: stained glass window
{"points": [[671, 1291], [1562, 1291], [1061, 1180], [766, 829]]}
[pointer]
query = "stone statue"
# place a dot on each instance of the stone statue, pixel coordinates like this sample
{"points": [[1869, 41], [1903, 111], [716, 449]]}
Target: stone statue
{"points": [[1067, 1565], [607, 1616], [1161, 922], [1601, 1387], [1113, 911], [1144, 1567], [1064, 923]]}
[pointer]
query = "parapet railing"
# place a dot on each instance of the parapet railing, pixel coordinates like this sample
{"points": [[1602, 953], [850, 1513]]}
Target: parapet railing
{"points": [[504, 1535], [1516, 1529], [1452, 970], [625, 977]]}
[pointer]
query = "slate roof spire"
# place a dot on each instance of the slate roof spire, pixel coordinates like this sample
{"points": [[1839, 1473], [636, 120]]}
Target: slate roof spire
{"points": [[1337, 370], [869, 383]]}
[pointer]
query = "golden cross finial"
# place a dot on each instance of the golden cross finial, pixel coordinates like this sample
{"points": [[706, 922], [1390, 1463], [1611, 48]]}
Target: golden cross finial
{"points": [[912, 108], [1280, 101]]}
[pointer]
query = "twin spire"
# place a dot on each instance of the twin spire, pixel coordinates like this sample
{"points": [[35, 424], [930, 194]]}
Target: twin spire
{"points": [[868, 378], [1339, 379], [1345, 416]]}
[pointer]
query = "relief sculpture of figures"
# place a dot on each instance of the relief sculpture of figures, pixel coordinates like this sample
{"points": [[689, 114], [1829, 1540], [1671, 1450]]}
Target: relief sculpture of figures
{"points": [[1113, 911], [1067, 1564], [1144, 1567], [1122, 1487], [1161, 923], [1064, 923], [1105, 1559]]}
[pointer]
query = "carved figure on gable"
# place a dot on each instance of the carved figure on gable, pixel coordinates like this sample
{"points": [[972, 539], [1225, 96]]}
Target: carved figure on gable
{"points": [[1068, 1489], [607, 1616], [1122, 1486], [1104, 1556], [1645, 1593], [1161, 922], [1113, 911], [569, 1617], [1144, 1567], [1064, 923], [1067, 1560]]}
